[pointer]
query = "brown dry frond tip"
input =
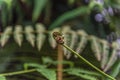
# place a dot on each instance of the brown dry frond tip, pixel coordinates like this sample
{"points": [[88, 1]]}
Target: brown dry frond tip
{"points": [[58, 37]]}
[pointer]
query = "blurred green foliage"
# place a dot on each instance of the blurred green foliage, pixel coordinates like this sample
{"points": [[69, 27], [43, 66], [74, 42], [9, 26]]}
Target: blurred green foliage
{"points": [[96, 18]]}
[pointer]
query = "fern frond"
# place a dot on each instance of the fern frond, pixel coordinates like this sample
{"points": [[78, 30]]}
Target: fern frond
{"points": [[6, 35], [74, 38], [113, 56], [105, 53], [95, 46], [84, 74], [83, 41], [40, 29], [65, 30], [18, 36], [29, 35]]}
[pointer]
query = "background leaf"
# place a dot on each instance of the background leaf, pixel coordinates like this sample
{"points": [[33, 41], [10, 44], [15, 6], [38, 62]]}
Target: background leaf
{"points": [[2, 78], [6, 35], [84, 74], [113, 57], [18, 36], [69, 15], [29, 35], [49, 74], [39, 6], [116, 69], [40, 29]]}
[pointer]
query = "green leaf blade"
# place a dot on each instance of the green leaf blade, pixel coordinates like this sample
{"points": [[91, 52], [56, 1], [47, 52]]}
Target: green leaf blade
{"points": [[49, 74], [2, 78], [39, 5]]}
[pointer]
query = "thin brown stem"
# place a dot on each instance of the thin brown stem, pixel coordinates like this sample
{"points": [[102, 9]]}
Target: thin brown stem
{"points": [[60, 65]]}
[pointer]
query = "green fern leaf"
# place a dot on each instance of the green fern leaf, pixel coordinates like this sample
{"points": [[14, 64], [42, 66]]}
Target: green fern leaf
{"points": [[83, 71], [49, 74], [116, 69], [4, 14], [105, 53], [2, 78], [29, 35], [69, 15], [35, 65], [9, 3], [18, 34], [113, 57], [87, 75], [95, 45], [39, 6], [83, 41], [47, 60]]}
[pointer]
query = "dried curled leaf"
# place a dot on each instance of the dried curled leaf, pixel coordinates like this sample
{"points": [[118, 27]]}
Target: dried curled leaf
{"points": [[29, 35], [18, 36], [105, 53], [51, 39], [95, 45], [113, 56], [6, 35], [40, 29]]}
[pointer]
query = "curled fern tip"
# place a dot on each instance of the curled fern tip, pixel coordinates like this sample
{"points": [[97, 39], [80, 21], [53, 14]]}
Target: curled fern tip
{"points": [[59, 38]]}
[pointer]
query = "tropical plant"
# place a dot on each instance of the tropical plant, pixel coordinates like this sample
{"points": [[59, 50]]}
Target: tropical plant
{"points": [[90, 28]]}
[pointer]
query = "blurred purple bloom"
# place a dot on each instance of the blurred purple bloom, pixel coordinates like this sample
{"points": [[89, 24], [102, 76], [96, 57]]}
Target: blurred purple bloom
{"points": [[110, 11], [98, 17]]}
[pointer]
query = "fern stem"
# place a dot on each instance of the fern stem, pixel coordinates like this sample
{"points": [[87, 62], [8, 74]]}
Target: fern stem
{"points": [[86, 61], [60, 65], [18, 72]]}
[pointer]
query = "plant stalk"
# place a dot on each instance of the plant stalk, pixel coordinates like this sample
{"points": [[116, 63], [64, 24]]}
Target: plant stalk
{"points": [[60, 65], [87, 62], [18, 72]]}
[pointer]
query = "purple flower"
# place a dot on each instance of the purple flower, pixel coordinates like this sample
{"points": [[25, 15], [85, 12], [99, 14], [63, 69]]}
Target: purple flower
{"points": [[99, 17], [110, 11]]}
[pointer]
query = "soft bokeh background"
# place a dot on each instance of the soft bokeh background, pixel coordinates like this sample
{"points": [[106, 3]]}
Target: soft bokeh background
{"points": [[90, 27]]}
